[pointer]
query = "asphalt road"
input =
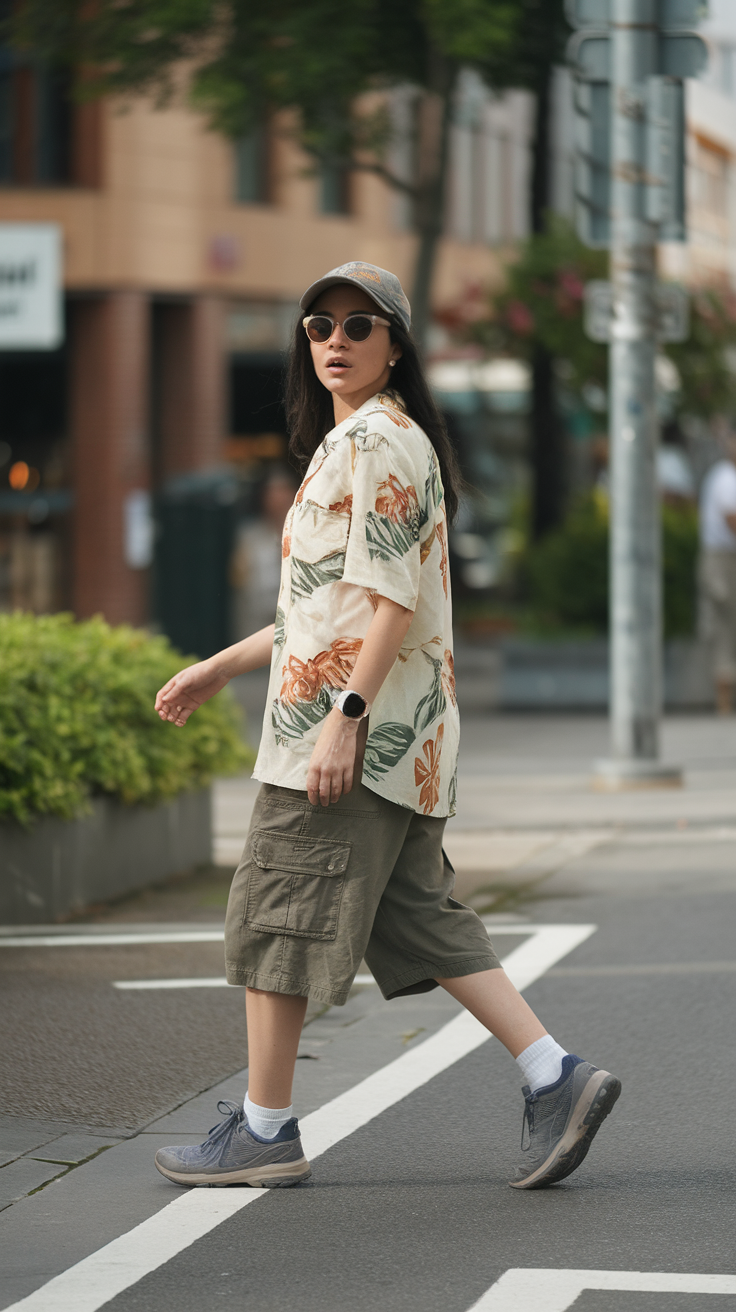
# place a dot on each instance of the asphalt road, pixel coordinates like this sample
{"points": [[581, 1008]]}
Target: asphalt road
{"points": [[412, 1210], [408, 1207]]}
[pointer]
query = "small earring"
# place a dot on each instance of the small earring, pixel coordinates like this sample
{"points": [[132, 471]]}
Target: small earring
{"points": [[391, 364]]}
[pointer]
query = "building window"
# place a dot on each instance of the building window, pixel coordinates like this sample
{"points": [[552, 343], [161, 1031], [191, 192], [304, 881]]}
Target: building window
{"points": [[709, 192], [37, 119], [253, 182], [335, 189]]}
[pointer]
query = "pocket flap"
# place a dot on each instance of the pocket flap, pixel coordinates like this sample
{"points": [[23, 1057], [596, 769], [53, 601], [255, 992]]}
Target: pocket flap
{"points": [[304, 856]]}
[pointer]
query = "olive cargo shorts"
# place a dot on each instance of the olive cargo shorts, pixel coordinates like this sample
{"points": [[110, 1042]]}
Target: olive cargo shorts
{"points": [[319, 888]]}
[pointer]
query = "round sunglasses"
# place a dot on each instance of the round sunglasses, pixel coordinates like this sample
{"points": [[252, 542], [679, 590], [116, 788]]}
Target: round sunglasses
{"points": [[357, 327]]}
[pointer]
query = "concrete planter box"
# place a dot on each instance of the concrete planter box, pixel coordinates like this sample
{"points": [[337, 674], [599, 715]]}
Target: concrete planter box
{"points": [[58, 867], [525, 674], [575, 675]]}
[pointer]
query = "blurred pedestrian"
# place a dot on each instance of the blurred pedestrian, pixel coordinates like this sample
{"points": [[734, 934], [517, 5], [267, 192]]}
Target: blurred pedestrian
{"points": [[256, 563], [717, 570], [675, 478], [344, 857]]}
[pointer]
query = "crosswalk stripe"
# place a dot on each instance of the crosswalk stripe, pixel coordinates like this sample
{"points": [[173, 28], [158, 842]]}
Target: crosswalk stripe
{"points": [[528, 1289]]}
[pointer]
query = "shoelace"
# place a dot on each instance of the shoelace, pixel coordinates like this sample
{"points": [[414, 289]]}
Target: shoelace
{"points": [[232, 1113], [528, 1122]]}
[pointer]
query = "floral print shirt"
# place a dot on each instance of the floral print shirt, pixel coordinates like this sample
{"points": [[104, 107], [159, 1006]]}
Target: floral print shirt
{"points": [[368, 520]]}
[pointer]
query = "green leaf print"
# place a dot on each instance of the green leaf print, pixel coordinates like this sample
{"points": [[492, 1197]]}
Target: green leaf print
{"points": [[307, 576], [279, 633], [385, 748], [452, 794], [387, 540], [433, 492], [294, 719], [434, 702]]}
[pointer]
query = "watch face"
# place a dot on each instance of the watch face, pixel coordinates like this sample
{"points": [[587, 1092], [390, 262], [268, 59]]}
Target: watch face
{"points": [[353, 706]]}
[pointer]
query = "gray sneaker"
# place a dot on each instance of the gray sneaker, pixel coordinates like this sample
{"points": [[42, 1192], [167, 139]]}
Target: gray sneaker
{"points": [[562, 1120], [233, 1154]]}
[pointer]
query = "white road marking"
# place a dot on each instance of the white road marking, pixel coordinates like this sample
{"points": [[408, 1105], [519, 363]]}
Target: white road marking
{"points": [[100, 1277], [656, 968], [528, 1290], [131, 938], [216, 982], [219, 981], [121, 940]]}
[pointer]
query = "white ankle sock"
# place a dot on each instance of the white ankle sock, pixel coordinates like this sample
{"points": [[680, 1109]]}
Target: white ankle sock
{"points": [[266, 1121], [541, 1062]]}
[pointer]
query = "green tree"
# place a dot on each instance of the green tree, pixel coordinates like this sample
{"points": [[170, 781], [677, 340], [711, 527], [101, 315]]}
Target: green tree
{"points": [[315, 56], [541, 304]]}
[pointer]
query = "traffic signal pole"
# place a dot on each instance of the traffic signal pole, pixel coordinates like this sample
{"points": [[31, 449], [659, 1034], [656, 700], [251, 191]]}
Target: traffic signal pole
{"points": [[635, 539], [630, 59]]}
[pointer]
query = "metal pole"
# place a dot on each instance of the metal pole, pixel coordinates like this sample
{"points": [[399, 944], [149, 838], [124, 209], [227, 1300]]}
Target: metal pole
{"points": [[636, 623]]}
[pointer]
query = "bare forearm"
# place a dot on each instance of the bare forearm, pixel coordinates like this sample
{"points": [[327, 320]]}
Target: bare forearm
{"points": [[332, 764], [381, 646], [250, 654]]}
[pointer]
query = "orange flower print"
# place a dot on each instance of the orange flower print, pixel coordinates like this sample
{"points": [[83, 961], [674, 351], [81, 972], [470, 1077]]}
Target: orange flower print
{"points": [[426, 547], [286, 535], [427, 772], [397, 503], [448, 677], [395, 407], [344, 507], [305, 483], [441, 532], [304, 680]]}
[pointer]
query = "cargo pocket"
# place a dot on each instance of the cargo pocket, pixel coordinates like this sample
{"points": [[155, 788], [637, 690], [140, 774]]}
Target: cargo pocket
{"points": [[295, 884]]}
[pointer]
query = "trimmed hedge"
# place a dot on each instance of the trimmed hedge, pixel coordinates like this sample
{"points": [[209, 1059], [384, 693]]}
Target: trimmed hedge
{"points": [[77, 719]]}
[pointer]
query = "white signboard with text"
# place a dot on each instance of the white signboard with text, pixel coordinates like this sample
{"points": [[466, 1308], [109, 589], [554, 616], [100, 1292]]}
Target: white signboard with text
{"points": [[30, 287]]}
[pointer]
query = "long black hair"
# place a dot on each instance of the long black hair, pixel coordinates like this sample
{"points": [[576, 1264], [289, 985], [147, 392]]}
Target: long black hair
{"points": [[310, 414]]}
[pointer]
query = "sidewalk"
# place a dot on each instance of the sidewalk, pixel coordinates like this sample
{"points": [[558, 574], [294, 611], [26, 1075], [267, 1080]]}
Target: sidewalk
{"points": [[526, 804]]}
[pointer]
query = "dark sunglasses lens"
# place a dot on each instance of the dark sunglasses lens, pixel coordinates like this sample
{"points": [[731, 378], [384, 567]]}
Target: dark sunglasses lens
{"points": [[319, 329], [358, 327]]}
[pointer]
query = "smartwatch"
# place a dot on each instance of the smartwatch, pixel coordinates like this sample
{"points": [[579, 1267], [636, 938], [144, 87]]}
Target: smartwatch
{"points": [[352, 705]]}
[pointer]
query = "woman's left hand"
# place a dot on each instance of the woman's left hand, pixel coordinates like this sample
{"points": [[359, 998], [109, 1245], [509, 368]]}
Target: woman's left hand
{"points": [[332, 765]]}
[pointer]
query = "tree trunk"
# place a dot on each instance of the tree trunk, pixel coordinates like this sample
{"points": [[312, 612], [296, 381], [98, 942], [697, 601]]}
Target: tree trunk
{"points": [[547, 434], [435, 111]]}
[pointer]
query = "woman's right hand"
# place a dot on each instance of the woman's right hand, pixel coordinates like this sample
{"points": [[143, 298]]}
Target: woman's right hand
{"points": [[188, 690]]}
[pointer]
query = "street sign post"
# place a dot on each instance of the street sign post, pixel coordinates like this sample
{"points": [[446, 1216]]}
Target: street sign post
{"points": [[672, 312], [629, 58], [30, 287]]}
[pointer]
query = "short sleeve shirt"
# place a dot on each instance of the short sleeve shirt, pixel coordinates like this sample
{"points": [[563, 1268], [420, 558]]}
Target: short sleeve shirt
{"points": [[718, 499], [368, 520]]}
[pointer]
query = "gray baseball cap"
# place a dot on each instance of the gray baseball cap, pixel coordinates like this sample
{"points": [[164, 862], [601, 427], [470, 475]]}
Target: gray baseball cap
{"points": [[383, 287]]}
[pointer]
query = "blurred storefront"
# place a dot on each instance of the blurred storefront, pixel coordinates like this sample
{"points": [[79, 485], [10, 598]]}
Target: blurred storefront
{"points": [[145, 434]]}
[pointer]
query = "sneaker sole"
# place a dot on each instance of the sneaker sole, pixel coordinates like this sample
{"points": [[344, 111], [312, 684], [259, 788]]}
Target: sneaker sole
{"points": [[280, 1176], [595, 1103]]}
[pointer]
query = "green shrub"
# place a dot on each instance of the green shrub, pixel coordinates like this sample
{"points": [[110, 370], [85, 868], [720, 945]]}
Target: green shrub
{"points": [[77, 719], [679, 569], [566, 574]]}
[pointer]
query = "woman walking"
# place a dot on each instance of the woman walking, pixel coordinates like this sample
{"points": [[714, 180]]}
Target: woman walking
{"points": [[358, 758]]}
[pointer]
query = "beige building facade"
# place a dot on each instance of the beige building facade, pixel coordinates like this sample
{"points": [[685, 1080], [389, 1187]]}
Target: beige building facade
{"points": [[184, 256]]}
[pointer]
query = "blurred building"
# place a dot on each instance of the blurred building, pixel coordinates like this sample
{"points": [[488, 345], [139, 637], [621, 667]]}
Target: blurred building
{"points": [[184, 256]]}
